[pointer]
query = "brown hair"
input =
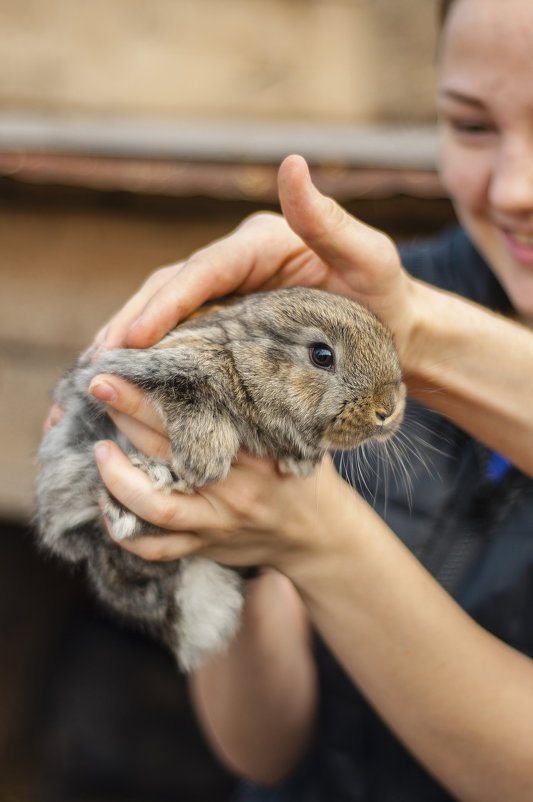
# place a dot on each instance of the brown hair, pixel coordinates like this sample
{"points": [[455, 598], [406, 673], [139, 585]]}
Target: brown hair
{"points": [[444, 8]]}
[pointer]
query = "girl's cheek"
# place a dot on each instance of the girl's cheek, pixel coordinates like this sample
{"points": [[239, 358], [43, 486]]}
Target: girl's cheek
{"points": [[465, 176], [448, 166]]}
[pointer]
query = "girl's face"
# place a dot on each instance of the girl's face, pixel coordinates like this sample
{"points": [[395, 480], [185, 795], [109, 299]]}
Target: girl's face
{"points": [[486, 120]]}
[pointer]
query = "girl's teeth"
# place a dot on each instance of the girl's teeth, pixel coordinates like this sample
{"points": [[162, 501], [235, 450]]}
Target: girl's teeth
{"points": [[524, 239]]}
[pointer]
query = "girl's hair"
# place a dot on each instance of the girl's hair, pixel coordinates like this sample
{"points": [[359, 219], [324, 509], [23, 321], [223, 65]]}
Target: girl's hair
{"points": [[444, 8]]}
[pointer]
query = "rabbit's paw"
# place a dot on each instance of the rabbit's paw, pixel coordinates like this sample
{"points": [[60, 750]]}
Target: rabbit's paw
{"points": [[298, 467], [199, 470], [123, 523], [161, 474]]}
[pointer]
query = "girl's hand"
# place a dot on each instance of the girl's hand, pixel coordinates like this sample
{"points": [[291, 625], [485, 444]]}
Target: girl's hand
{"points": [[316, 244], [256, 516]]}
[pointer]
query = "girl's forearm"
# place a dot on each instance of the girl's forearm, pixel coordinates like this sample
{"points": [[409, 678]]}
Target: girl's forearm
{"points": [[257, 702], [460, 700], [475, 367]]}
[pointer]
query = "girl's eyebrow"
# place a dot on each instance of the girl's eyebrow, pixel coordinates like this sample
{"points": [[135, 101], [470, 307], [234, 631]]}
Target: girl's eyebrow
{"points": [[462, 97]]}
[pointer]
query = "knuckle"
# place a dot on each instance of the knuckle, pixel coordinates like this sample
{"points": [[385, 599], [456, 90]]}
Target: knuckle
{"points": [[384, 244], [166, 513], [331, 221], [133, 401], [385, 252], [199, 257], [259, 219], [130, 399], [210, 261], [335, 216], [129, 497]]}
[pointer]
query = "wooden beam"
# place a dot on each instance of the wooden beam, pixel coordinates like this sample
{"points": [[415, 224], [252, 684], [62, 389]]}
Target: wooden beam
{"points": [[223, 141]]}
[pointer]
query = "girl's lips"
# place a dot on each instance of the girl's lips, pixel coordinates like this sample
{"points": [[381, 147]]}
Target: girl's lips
{"points": [[520, 245]]}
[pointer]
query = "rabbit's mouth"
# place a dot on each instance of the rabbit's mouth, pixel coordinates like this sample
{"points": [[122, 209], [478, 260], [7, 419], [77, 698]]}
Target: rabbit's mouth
{"points": [[378, 416]]}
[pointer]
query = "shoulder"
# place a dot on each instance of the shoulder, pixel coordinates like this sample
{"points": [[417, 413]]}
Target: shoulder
{"points": [[451, 262]]}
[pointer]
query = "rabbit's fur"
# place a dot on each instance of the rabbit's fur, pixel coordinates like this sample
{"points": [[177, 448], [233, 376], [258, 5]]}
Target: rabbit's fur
{"points": [[238, 375]]}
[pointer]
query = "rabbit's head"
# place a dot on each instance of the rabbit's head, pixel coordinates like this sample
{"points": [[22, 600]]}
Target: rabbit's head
{"points": [[320, 365]]}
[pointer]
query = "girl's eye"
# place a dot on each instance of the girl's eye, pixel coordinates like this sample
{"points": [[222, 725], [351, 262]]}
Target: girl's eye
{"points": [[322, 356], [472, 127]]}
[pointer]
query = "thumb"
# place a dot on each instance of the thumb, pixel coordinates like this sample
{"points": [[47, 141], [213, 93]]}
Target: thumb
{"points": [[365, 256]]}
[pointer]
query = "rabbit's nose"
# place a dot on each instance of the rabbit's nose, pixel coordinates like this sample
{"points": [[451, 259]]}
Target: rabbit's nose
{"points": [[382, 416], [385, 411], [389, 406]]}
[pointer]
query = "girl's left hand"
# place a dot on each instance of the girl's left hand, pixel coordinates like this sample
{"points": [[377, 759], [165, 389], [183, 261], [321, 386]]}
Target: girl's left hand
{"points": [[255, 516]]}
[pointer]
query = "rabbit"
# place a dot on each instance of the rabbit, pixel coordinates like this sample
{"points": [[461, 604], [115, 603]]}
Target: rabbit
{"points": [[288, 373]]}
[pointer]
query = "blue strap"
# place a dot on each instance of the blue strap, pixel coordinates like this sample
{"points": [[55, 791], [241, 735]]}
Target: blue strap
{"points": [[498, 467]]}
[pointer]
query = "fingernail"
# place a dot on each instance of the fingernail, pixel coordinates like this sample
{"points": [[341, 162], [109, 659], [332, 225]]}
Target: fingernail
{"points": [[103, 390], [101, 451], [134, 324]]}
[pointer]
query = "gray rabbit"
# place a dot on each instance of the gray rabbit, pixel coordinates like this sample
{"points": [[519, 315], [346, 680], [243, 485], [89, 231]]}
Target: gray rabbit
{"points": [[289, 373]]}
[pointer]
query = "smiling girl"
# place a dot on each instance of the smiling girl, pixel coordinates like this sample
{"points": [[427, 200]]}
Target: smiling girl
{"points": [[383, 655]]}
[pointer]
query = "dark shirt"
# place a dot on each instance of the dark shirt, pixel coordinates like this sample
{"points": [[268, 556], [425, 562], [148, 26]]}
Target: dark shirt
{"points": [[469, 519]]}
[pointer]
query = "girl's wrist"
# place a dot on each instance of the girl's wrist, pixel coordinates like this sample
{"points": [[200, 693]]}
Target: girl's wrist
{"points": [[410, 331], [328, 530]]}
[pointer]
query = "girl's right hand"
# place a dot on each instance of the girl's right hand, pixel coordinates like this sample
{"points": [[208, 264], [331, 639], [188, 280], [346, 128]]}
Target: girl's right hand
{"points": [[315, 243]]}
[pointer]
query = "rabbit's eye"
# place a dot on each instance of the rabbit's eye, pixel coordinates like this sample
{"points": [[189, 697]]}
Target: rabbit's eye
{"points": [[322, 356]]}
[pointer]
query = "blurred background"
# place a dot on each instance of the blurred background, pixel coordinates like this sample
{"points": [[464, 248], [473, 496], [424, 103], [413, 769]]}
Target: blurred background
{"points": [[131, 133]]}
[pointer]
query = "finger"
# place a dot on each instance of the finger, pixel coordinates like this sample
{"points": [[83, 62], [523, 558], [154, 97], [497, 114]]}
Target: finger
{"points": [[91, 353], [143, 438], [162, 548], [241, 262], [114, 333], [54, 416], [126, 398], [99, 339], [336, 236], [158, 547], [135, 491], [203, 277]]}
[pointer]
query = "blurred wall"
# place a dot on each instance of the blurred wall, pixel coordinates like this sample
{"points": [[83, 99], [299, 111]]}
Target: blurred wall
{"points": [[334, 60], [67, 263]]}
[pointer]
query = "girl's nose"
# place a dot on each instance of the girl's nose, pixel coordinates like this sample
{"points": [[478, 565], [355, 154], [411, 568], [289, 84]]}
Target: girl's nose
{"points": [[511, 183]]}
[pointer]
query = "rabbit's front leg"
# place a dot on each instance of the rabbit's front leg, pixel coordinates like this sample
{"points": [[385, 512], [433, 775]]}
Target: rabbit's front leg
{"points": [[204, 443]]}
